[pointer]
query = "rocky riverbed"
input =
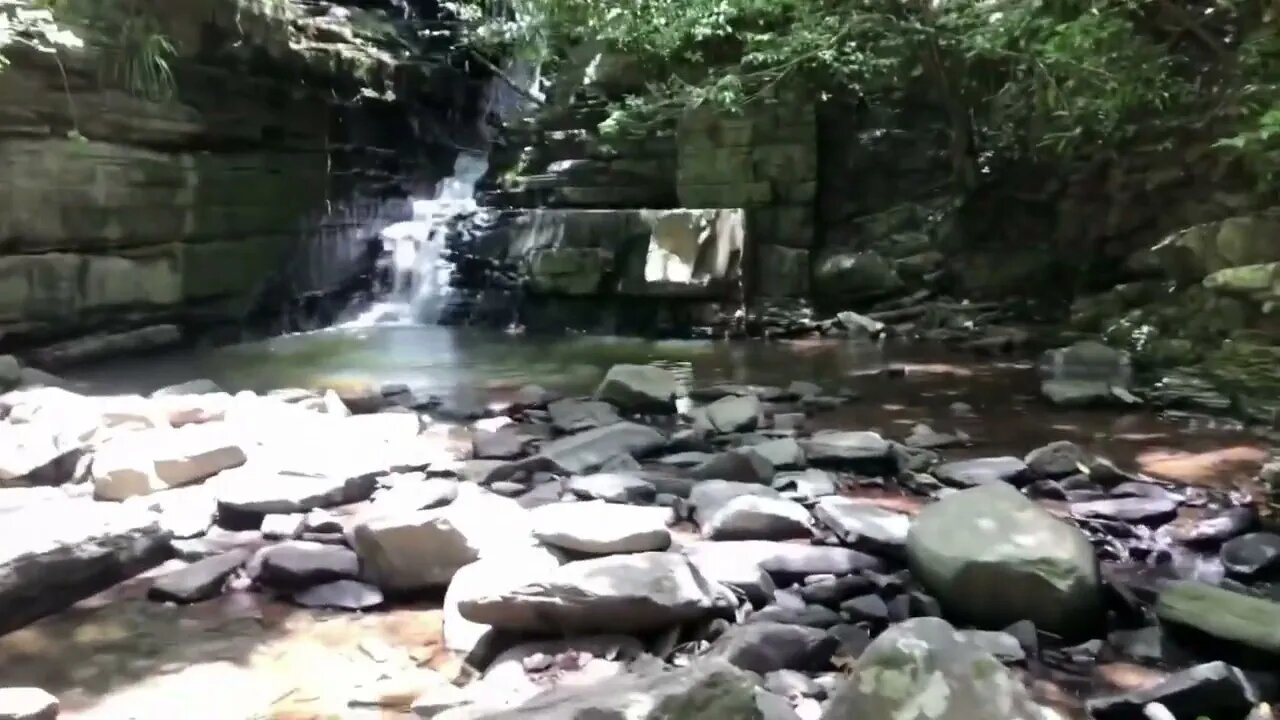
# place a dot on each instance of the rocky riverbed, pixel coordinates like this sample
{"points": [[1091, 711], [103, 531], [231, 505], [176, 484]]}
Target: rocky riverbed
{"points": [[733, 551]]}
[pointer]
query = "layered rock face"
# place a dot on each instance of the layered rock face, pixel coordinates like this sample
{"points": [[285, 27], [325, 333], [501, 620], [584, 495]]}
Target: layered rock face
{"points": [[252, 178]]}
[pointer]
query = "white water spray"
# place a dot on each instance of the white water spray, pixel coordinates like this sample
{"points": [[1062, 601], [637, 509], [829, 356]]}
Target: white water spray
{"points": [[417, 249]]}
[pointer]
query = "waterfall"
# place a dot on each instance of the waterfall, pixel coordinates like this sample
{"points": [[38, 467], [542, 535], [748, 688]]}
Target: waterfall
{"points": [[416, 250]]}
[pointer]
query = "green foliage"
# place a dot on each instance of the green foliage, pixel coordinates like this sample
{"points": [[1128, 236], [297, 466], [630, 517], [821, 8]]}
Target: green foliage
{"points": [[138, 53], [1016, 79]]}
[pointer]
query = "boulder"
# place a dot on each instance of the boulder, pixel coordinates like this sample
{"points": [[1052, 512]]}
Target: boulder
{"points": [[201, 580], [923, 668], [1138, 510], [1057, 460], [763, 647], [571, 415], [10, 373], [612, 487], [782, 453], [619, 593], [739, 563], [601, 528], [34, 454], [739, 466], [588, 451], [1256, 555], [262, 489], [850, 276], [994, 557], [340, 595], [55, 553], [709, 497], [1086, 373], [147, 461], [753, 517], [1236, 619], [857, 451], [864, 526], [707, 689], [983, 471], [425, 548], [489, 576], [639, 388], [522, 672], [301, 564], [733, 413], [805, 486]]}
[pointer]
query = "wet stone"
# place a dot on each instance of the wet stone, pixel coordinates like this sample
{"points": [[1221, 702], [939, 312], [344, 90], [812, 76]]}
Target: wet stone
{"points": [[1252, 556], [983, 471], [299, 563], [611, 487], [1143, 510], [340, 595], [201, 580]]}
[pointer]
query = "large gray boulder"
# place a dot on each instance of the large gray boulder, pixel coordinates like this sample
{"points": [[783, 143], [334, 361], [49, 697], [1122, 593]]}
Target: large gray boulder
{"points": [[994, 557], [707, 690], [639, 388], [618, 593], [493, 575], [425, 548], [922, 669], [855, 450], [588, 451], [602, 528]]}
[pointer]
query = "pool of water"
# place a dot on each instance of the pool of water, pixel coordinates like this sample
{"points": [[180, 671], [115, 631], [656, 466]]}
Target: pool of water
{"points": [[1008, 416]]}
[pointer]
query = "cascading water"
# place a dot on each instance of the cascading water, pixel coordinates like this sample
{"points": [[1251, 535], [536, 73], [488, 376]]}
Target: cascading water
{"points": [[416, 250]]}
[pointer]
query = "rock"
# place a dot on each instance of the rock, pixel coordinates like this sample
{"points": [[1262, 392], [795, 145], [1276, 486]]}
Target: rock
{"points": [[1227, 616], [639, 388], [283, 527], [1213, 690], [1001, 645], [301, 564], [786, 563], [199, 386], [611, 487], [866, 608], [983, 471], [752, 517], [709, 497], [864, 526], [61, 551], [504, 444], [37, 454], [147, 461], [830, 590], [805, 486], [850, 276], [1145, 511], [814, 616], [1252, 556], [570, 415], [27, 703], [587, 451], [863, 452], [926, 438], [763, 647], [1084, 393], [860, 325], [10, 373], [734, 413], [201, 580], [600, 528], [265, 490], [739, 466], [425, 494], [493, 575], [706, 689], [994, 557], [782, 454], [618, 593], [924, 668], [1057, 460], [340, 595], [1233, 618], [423, 549]]}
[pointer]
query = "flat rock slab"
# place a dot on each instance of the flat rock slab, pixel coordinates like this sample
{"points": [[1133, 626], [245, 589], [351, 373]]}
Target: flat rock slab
{"points": [[1143, 510], [601, 528], [201, 580], [55, 553], [619, 593], [860, 451], [983, 471], [863, 525], [589, 451], [1227, 616]]}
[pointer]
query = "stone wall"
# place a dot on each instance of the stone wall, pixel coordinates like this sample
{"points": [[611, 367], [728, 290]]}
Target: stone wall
{"points": [[259, 181], [765, 162]]}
